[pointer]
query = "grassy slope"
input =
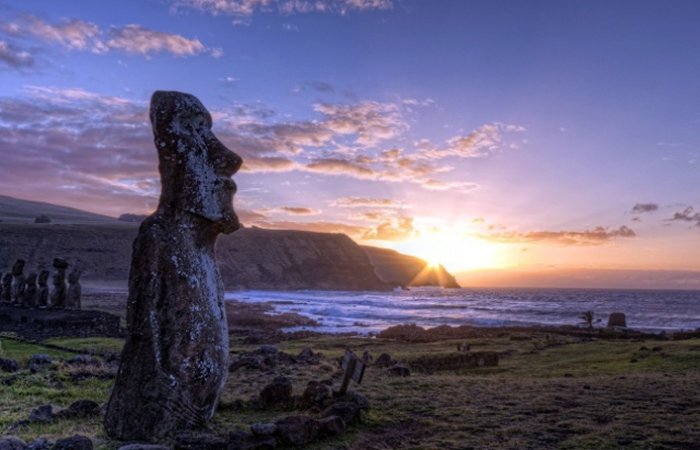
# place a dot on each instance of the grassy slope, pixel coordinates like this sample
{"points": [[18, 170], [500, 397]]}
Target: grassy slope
{"points": [[547, 394]]}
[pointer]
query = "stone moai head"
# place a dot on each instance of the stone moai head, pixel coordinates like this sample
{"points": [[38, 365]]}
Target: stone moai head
{"points": [[31, 278], [60, 264], [195, 167], [18, 267], [43, 277], [74, 276]]}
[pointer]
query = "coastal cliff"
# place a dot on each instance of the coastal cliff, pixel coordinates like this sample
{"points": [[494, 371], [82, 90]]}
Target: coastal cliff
{"points": [[404, 270], [251, 258]]}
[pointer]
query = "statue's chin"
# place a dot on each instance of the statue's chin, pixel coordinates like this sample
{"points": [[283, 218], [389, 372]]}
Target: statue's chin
{"points": [[230, 223]]}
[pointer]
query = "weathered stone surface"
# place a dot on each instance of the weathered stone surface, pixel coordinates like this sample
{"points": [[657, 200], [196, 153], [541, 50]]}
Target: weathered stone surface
{"points": [[76, 442], [384, 360], [42, 292], [348, 411], [315, 394], [39, 444], [279, 392], [30, 290], [8, 365], [240, 440], [297, 430], [18, 282], [174, 363], [143, 447], [12, 443], [617, 319], [199, 441], [74, 290], [331, 425], [80, 408], [42, 414]]}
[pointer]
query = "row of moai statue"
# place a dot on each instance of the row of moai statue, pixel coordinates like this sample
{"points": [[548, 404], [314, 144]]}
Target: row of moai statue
{"points": [[32, 291]]}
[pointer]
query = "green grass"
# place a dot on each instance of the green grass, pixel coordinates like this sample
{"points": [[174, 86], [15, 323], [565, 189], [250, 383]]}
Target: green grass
{"points": [[547, 392]]}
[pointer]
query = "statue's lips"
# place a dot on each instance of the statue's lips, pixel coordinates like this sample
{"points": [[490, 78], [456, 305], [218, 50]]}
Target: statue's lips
{"points": [[228, 184]]}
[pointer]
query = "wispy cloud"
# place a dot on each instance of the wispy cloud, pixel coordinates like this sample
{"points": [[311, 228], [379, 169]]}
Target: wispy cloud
{"points": [[15, 57], [293, 210], [365, 202], [79, 35], [399, 229], [595, 236], [687, 215], [641, 208], [242, 9], [479, 143]]}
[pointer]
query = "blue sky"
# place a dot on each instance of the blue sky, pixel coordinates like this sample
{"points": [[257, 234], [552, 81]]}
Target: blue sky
{"points": [[483, 134]]}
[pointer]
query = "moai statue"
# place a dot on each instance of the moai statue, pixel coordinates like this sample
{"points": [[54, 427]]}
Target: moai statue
{"points": [[7, 288], [30, 290], [0, 287], [18, 282], [74, 290], [42, 293], [58, 295], [175, 360]]}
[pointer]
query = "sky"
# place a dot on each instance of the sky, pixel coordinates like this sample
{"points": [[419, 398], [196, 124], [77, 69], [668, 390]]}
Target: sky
{"points": [[523, 135]]}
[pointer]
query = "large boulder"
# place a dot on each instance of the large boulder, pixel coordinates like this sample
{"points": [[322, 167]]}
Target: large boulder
{"points": [[617, 320], [12, 443], [73, 443], [297, 430], [279, 392], [8, 365]]}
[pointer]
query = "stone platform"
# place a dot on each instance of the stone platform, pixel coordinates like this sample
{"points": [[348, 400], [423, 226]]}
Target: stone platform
{"points": [[46, 323]]}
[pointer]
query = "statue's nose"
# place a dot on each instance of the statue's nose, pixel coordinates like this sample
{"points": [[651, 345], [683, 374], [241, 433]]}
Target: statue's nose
{"points": [[227, 162]]}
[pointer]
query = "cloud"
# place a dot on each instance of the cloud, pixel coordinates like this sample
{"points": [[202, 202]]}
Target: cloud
{"points": [[293, 210], [686, 215], [334, 166], [596, 236], [14, 57], [267, 164], [79, 35], [246, 8], [399, 229], [457, 186], [479, 143], [370, 121], [640, 208], [318, 86], [365, 202], [318, 227]]}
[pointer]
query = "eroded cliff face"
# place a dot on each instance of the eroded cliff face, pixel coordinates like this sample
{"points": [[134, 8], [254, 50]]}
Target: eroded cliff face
{"points": [[404, 270], [248, 259]]}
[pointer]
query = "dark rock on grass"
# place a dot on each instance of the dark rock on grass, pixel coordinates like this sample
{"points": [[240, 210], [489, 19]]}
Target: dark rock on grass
{"points": [[8, 365], [192, 440], [41, 414], [12, 443], [348, 411], [331, 425], [384, 360], [315, 394], [399, 370], [265, 358], [73, 443], [356, 398], [9, 381], [263, 429], [143, 447], [39, 444], [80, 408], [83, 360], [279, 392], [307, 356], [240, 440], [617, 319], [39, 362], [297, 430]]}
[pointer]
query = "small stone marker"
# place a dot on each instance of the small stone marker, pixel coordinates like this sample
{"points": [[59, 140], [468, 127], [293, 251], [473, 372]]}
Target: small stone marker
{"points": [[354, 369]]}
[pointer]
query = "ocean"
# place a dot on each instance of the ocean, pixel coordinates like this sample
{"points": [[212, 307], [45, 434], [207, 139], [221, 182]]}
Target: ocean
{"points": [[369, 312]]}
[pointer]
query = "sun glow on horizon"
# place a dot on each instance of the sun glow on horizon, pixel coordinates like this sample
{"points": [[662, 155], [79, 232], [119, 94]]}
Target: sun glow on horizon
{"points": [[454, 250]]}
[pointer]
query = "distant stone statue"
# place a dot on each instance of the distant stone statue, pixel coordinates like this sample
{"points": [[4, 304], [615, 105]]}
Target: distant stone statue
{"points": [[7, 288], [58, 295], [18, 282], [74, 290], [42, 293], [30, 290], [175, 359]]}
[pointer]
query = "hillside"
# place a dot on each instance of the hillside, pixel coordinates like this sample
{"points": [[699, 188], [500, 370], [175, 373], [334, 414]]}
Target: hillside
{"points": [[14, 210], [404, 270]]}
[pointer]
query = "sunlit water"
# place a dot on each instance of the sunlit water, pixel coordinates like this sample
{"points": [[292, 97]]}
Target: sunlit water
{"points": [[366, 312]]}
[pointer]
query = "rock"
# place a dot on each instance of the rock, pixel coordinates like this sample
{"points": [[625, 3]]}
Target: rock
{"points": [[617, 319], [83, 360], [18, 282], [42, 414], [399, 370], [80, 408], [39, 362], [73, 443], [263, 429], [384, 360], [189, 440], [12, 443], [331, 425], [39, 444], [356, 398], [143, 447], [307, 356], [348, 411], [279, 392], [8, 365], [240, 440], [297, 430], [316, 394], [175, 359]]}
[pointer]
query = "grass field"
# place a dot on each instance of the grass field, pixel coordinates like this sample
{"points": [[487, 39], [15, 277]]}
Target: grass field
{"points": [[560, 392]]}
